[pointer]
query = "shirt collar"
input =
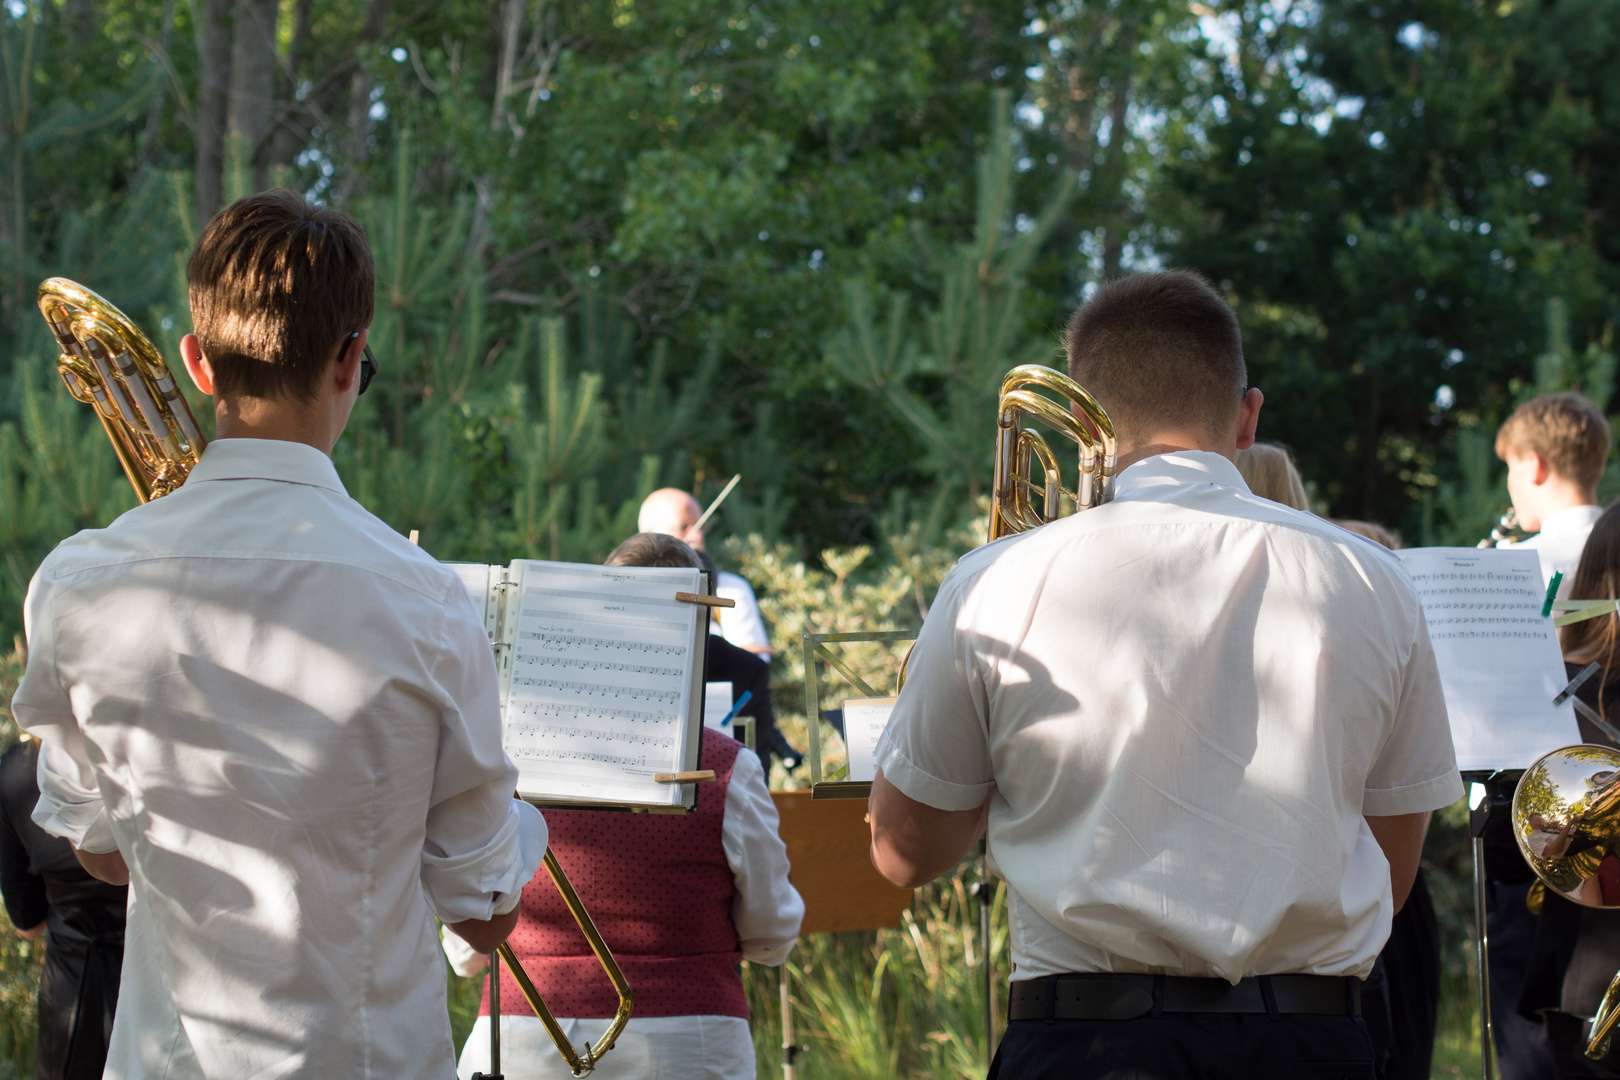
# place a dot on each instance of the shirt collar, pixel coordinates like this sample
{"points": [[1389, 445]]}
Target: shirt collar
{"points": [[1571, 519], [1180, 467], [266, 459]]}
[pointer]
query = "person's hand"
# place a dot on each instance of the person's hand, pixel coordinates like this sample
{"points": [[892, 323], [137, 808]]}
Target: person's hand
{"points": [[485, 935]]}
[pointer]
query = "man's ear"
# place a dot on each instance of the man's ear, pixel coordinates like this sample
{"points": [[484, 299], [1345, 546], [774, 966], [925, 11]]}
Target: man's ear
{"points": [[197, 365], [1543, 471], [348, 361], [1249, 417]]}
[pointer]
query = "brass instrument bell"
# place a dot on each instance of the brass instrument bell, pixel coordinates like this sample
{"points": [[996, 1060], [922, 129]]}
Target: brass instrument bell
{"points": [[1566, 819]]}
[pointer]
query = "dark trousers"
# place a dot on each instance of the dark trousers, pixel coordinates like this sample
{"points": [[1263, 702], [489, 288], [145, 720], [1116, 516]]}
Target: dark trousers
{"points": [[1186, 1046], [1522, 1052]]}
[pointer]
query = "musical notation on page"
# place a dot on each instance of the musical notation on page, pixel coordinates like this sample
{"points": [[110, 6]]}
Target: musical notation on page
{"points": [[600, 683], [1497, 654]]}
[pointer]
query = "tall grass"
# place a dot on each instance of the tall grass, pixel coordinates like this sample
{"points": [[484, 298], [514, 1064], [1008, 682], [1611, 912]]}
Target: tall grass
{"points": [[883, 1004]]}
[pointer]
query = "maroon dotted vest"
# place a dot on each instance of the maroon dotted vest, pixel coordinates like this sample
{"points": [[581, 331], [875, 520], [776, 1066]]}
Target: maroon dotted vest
{"points": [[660, 890]]}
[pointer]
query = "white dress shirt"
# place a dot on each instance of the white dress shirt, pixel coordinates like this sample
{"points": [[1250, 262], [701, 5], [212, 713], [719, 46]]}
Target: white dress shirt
{"points": [[742, 625], [1179, 705], [1560, 542], [767, 911], [286, 718]]}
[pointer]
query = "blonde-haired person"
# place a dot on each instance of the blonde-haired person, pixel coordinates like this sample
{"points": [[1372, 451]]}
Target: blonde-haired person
{"points": [[1269, 471]]}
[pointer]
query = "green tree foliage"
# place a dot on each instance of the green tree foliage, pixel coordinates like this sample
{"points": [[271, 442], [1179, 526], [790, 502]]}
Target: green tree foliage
{"points": [[1392, 194]]}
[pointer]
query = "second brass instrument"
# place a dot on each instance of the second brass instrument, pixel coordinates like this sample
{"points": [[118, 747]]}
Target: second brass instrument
{"points": [[1076, 415], [1566, 819]]}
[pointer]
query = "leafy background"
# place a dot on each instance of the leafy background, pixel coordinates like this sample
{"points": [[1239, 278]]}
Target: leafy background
{"points": [[623, 244]]}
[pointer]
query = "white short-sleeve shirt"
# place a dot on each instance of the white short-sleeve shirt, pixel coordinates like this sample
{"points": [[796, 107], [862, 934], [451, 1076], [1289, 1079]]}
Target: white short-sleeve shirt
{"points": [[1180, 706]]}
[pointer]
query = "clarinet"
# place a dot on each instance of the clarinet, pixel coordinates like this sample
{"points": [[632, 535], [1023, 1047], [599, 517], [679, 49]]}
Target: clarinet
{"points": [[1504, 530]]}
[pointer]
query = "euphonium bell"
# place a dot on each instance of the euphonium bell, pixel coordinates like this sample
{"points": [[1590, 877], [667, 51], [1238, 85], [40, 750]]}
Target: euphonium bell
{"points": [[1018, 448], [1566, 819]]}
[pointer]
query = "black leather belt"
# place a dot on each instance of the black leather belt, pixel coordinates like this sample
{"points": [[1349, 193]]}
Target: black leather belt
{"points": [[1118, 996]]}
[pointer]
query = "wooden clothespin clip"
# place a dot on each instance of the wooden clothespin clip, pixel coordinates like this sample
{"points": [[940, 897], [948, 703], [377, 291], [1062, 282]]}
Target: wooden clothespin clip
{"points": [[700, 598], [699, 776]]}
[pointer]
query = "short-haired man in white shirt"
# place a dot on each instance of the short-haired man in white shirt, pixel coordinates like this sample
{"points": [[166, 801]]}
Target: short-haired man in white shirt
{"points": [[270, 714], [1205, 730]]}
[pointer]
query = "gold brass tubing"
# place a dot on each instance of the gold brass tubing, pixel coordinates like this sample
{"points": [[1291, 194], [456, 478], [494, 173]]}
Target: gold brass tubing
{"points": [[1603, 1021], [580, 1063], [109, 364]]}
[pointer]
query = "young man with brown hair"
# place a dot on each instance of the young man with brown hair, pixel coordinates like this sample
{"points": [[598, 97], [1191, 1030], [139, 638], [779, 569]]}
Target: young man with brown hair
{"points": [[1204, 729], [270, 713], [1556, 447]]}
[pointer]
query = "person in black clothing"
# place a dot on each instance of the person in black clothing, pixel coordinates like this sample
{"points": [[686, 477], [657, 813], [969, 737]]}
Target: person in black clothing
{"points": [[726, 662], [47, 892]]}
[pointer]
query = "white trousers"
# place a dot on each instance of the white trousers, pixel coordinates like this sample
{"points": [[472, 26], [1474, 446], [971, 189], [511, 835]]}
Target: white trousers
{"points": [[650, 1048]]}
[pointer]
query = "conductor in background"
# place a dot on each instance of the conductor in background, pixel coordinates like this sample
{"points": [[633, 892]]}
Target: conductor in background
{"points": [[48, 895], [680, 899], [676, 513], [1205, 730]]}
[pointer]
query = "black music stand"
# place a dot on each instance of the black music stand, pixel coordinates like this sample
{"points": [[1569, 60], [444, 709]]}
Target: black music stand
{"points": [[1495, 805]]}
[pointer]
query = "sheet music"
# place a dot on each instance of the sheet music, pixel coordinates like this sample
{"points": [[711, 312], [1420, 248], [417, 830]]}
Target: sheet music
{"points": [[864, 721], [476, 577], [601, 683], [1498, 655]]}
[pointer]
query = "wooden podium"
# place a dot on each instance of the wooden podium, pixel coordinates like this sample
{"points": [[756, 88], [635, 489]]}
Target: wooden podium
{"points": [[828, 862], [827, 848]]}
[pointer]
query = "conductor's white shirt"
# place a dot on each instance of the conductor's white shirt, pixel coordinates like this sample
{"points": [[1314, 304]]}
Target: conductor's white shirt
{"points": [[1180, 704], [742, 625], [285, 717]]}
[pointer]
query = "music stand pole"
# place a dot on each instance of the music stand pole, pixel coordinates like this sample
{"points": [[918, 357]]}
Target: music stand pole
{"points": [[984, 895], [494, 1021], [789, 1050]]}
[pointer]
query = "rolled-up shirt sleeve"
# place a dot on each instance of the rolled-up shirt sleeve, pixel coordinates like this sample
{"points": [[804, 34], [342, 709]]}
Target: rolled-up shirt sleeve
{"points": [[70, 803], [767, 910], [936, 749], [1417, 767], [482, 845]]}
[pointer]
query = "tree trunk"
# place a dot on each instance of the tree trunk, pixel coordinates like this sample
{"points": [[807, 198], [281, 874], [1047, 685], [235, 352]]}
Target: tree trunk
{"points": [[253, 86], [359, 143], [1120, 89], [511, 23], [213, 88]]}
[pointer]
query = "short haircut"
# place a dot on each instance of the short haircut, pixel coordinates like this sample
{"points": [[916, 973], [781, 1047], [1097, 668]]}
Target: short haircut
{"points": [[1159, 351], [276, 283], [1269, 471], [1566, 429], [654, 549]]}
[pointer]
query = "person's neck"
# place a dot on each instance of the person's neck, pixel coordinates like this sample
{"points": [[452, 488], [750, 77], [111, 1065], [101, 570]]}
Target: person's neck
{"points": [[276, 419], [1555, 500], [1173, 443]]}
